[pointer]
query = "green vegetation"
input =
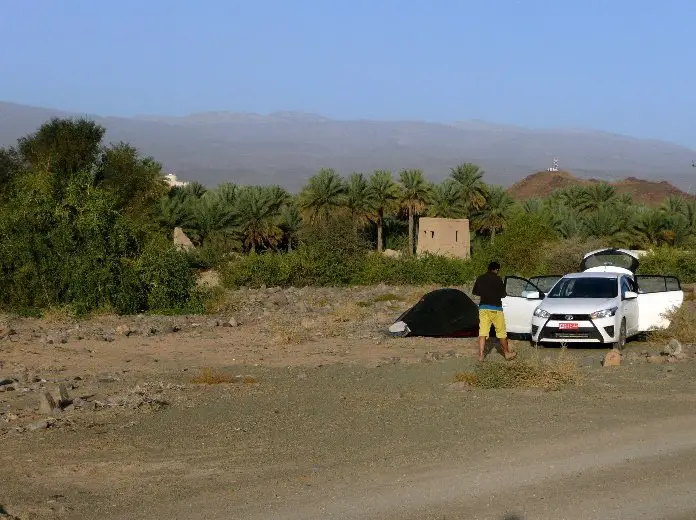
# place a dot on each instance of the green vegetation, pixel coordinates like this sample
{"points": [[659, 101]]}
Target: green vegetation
{"points": [[88, 226]]}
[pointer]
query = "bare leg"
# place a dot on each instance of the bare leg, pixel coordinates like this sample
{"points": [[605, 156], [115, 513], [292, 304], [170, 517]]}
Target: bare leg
{"points": [[506, 349], [482, 347]]}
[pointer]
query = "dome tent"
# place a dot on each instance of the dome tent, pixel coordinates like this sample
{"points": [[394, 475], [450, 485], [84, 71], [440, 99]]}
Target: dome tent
{"points": [[439, 313]]}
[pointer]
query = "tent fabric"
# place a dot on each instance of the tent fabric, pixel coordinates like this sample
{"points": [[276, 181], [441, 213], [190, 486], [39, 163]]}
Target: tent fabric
{"points": [[442, 313]]}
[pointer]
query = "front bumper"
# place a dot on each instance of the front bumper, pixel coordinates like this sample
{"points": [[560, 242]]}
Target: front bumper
{"points": [[586, 330]]}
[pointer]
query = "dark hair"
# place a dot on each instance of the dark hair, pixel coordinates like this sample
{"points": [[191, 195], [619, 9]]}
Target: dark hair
{"points": [[493, 266]]}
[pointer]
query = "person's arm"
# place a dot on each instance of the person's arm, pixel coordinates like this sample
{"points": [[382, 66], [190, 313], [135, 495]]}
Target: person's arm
{"points": [[475, 291], [503, 292]]}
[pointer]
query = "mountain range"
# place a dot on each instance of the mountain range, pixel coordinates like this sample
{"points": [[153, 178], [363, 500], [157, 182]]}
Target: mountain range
{"points": [[287, 147]]}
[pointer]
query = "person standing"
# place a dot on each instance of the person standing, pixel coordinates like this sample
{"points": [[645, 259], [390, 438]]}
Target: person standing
{"points": [[490, 288]]}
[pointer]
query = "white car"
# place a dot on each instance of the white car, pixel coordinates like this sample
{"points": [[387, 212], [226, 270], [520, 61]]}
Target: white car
{"points": [[604, 303]]}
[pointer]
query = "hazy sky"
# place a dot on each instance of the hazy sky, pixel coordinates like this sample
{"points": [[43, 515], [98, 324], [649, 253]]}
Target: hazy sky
{"points": [[626, 66]]}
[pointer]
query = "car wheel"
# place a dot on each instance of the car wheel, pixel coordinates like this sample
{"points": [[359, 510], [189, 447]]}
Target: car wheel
{"points": [[621, 343]]}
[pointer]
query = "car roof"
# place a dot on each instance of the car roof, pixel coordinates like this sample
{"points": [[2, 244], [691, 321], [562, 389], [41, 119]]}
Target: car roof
{"points": [[600, 274]]}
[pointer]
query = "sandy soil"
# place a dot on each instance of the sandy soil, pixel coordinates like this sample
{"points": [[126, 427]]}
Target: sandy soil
{"points": [[329, 418]]}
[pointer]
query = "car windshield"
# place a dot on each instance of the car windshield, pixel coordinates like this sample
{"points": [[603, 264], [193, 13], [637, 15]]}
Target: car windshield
{"points": [[585, 288]]}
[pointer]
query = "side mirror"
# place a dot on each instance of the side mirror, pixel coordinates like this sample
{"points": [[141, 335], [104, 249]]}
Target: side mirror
{"points": [[630, 295], [533, 296]]}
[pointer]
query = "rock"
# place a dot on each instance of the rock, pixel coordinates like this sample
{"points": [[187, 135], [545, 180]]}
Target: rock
{"points": [[123, 330], [657, 360], [181, 241], [11, 417], [432, 356], [47, 405], [39, 425], [232, 322], [673, 348], [612, 358], [6, 381], [64, 396], [108, 379]]}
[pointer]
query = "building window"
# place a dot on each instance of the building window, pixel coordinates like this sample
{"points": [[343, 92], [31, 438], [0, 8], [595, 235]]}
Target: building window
{"points": [[432, 234], [456, 236]]}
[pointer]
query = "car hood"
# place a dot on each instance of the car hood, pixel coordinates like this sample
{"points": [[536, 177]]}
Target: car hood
{"points": [[576, 305]]}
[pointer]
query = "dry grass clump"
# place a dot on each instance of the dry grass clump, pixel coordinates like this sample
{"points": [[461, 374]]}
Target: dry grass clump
{"points": [[546, 374], [212, 376], [349, 312], [682, 325], [388, 297]]}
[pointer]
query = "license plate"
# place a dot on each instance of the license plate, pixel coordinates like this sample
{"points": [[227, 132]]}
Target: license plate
{"points": [[568, 326]]}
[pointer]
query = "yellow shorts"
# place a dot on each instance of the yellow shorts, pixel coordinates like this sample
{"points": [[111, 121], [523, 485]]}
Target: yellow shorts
{"points": [[487, 318]]}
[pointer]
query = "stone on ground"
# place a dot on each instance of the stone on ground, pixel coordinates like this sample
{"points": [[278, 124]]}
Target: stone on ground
{"points": [[612, 358]]}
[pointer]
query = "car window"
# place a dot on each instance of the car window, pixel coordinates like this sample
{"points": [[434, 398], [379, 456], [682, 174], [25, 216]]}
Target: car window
{"points": [[585, 288], [625, 286], [519, 287], [651, 284]]}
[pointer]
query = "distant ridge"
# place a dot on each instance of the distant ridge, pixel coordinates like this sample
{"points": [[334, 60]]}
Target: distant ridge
{"points": [[541, 184], [287, 147]]}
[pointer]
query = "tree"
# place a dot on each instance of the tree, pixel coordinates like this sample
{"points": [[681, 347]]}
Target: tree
{"points": [[597, 195], [258, 217], [62, 147], [290, 223], [385, 193], [323, 195], [415, 195], [359, 200], [491, 219], [447, 201], [473, 189], [136, 182]]}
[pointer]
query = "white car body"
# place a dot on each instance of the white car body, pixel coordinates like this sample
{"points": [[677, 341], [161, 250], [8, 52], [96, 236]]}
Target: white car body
{"points": [[606, 302]]}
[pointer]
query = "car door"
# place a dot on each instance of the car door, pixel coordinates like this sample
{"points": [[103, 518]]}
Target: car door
{"points": [[517, 306], [629, 307], [657, 296], [545, 283]]}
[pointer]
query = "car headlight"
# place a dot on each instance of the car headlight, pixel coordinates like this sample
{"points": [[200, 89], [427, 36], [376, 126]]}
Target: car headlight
{"points": [[604, 313], [541, 313]]}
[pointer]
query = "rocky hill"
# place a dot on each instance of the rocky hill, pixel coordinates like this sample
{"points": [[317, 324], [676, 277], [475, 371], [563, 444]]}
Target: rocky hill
{"points": [[540, 184]]}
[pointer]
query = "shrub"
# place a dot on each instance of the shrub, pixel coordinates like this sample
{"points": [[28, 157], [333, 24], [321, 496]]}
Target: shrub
{"points": [[681, 325], [548, 375], [667, 260], [519, 248]]}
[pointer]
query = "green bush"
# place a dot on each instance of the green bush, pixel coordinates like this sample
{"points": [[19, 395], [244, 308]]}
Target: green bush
{"points": [[670, 261]]}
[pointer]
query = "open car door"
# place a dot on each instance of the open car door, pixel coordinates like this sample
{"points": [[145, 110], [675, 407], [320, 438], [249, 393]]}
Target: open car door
{"points": [[657, 295], [518, 306], [545, 283]]}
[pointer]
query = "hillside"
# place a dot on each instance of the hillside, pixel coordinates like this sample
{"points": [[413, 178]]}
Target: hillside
{"points": [[540, 184], [287, 147]]}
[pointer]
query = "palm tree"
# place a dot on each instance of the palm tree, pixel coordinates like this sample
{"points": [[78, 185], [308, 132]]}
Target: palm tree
{"points": [[385, 193], [258, 217], [211, 213], [447, 201], [473, 189], [533, 206], [359, 200], [492, 217], [567, 223], [650, 226], [290, 223], [598, 194], [174, 211], [415, 194], [323, 194]]}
